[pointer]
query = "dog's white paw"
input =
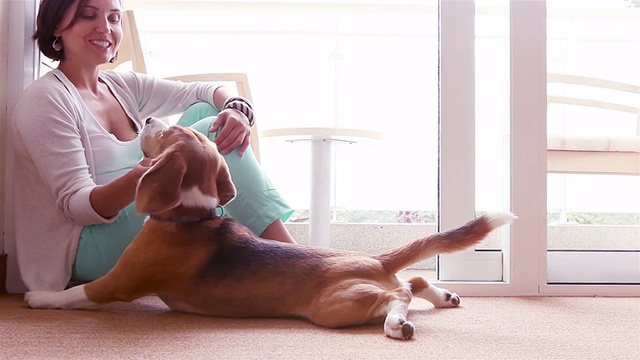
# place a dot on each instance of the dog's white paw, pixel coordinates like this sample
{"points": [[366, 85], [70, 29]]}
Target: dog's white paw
{"points": [[74, 298], [41, 299], [448, 300], [397, 327]]}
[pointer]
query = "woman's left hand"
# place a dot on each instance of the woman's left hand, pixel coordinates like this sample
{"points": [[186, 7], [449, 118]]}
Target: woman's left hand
{"points": [[235, 131]]}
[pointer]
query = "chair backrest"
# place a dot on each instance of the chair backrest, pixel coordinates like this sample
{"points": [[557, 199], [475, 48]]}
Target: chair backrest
{"points": [[596, 152], [242, 85], [622, 88], [240, 79], [131, 55]]}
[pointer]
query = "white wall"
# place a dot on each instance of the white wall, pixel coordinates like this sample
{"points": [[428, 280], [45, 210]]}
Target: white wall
{"points": [[4, 40]]}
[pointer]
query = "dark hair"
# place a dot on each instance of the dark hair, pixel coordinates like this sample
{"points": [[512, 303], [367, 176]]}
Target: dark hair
{"points": [[50, 14]]}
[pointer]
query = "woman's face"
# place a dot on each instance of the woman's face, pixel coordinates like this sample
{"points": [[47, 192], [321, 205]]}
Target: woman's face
{"points": [[95, 36]]}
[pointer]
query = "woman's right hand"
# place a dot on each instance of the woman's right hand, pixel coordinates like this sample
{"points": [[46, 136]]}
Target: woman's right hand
{"points": [[107, 200], [141, 167]]}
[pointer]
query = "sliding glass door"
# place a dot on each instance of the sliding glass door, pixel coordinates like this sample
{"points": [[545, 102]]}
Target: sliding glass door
{"points": [[593, 125], [474, 129], [578, 230], [492, 140]]}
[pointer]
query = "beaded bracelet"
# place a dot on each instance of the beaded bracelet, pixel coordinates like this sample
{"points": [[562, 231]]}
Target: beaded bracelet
{"points": [[241, 104]]}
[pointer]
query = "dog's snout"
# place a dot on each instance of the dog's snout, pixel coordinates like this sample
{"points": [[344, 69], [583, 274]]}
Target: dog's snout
{"points": [[153, 126], [150, 136]]}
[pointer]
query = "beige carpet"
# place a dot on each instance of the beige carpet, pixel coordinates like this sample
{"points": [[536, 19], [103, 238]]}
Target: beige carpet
{"points": [[483, 328]]}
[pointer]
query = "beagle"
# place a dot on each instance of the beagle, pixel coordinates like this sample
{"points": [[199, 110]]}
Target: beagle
{"points": [[202, 263]]}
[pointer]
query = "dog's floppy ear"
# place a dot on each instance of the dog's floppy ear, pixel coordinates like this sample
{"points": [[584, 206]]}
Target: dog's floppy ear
{"points": [[223, 185], [159, 188]]}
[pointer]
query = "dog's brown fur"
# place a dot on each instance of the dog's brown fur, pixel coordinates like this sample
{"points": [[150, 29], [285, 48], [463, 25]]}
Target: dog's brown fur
{"points": [[218, 267]]}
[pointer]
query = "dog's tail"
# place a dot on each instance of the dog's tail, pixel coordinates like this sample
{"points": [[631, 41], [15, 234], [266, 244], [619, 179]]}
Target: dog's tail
{"points": [[453, 240]]}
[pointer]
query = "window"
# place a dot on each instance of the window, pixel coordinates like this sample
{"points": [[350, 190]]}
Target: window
{"points": [[348, 64], [371, 66]]}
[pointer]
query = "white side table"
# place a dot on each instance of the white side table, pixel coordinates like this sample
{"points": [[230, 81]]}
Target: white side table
{"points": [[321, 140]]}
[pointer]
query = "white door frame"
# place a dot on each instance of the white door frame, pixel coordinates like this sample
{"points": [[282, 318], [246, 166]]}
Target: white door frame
{"points": [[22, 65], [519, 265]]}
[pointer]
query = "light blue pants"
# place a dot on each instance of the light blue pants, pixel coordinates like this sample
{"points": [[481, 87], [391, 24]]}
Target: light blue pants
{"points": [[256, 205]]}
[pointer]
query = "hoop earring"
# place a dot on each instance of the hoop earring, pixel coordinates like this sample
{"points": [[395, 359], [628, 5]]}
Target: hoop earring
{"points": [[56, 45]]}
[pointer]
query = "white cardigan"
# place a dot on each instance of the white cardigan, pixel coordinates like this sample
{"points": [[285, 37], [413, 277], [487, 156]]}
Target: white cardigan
{"points": [[54, 167]]}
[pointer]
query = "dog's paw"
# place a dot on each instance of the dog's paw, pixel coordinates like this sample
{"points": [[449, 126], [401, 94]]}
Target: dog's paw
{"points": [[41, 299], [448, 300], [397, 327], [73, 298]]}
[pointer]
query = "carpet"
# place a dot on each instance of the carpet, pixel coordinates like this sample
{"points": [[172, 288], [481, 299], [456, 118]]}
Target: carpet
{"points": [[482, 328]]}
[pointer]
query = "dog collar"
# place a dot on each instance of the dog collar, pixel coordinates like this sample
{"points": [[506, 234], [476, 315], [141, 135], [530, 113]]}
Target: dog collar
{"points": [[212, 214]]}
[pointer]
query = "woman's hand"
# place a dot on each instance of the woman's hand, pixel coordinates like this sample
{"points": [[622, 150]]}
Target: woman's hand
{"points": [[141, 167], [107, 200], [235, 131]]}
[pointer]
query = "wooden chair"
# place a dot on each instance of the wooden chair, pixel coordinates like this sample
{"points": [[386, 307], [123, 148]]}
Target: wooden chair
{"points": [[600, 154], [131, 57]]}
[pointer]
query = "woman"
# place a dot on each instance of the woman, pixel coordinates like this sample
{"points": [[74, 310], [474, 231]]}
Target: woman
{"points": [[76, 142]]}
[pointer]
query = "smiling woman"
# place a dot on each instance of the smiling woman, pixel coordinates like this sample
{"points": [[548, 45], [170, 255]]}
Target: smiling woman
{"points": [[80, 182], [49, 33]]}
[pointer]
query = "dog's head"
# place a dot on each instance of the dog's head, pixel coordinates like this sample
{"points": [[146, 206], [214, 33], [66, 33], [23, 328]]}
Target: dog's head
{"points": [[186, 170]]}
